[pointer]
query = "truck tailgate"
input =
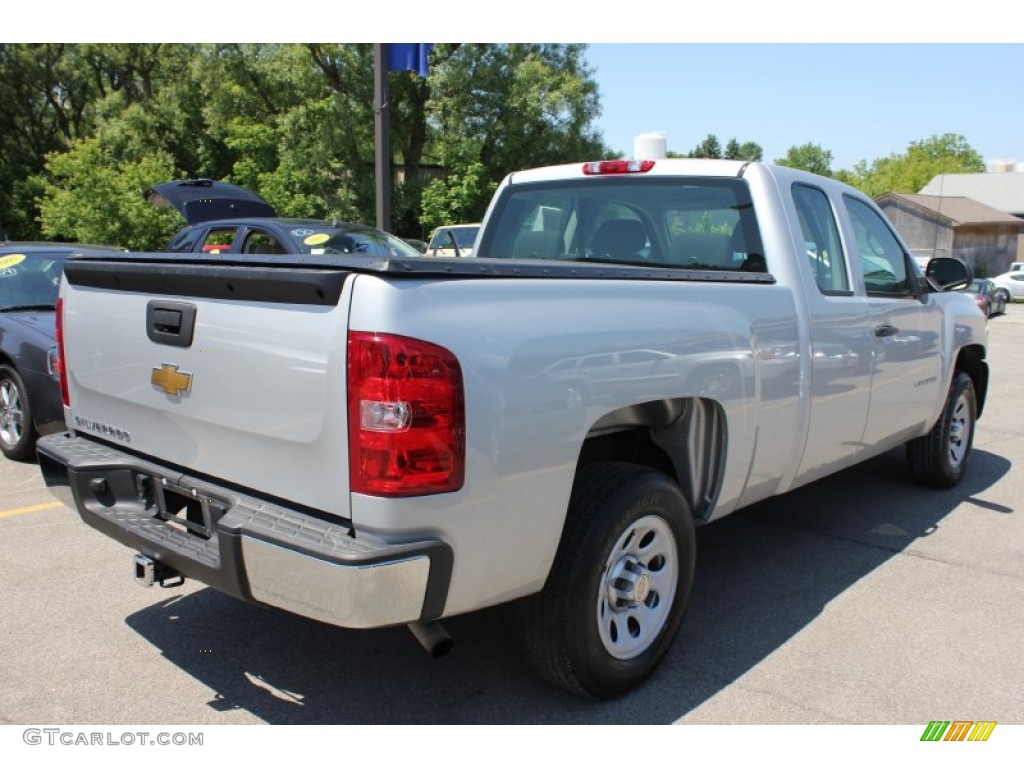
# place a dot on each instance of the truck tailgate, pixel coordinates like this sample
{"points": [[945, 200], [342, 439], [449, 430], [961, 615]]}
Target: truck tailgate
{"points": [[236, 371]]}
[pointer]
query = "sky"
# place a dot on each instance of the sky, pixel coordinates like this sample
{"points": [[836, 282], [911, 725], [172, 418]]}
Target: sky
{"points": [[858, 101]]}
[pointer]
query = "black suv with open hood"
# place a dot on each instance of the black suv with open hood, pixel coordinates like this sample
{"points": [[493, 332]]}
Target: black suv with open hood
{"points": [[225, 218]]}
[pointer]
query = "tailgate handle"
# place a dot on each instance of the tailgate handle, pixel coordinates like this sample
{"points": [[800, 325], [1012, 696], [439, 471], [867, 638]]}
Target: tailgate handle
{"points": [[171, 322]]}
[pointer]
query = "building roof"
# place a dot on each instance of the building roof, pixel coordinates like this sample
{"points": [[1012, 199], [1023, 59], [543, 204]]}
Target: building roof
{"points": [[1002, 191], [957, 210]]}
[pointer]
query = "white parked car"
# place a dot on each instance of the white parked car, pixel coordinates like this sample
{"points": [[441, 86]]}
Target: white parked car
{"points": [[1012, 283], [454, 240]]}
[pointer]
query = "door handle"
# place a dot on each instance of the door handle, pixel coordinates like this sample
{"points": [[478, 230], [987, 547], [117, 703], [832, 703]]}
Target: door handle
{"points": [[171, 322], [886, 330]]}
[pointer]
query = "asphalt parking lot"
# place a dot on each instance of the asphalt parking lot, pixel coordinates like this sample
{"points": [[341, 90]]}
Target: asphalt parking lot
{"points": [[861, 599]]}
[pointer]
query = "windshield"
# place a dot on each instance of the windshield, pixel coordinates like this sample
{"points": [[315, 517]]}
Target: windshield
{"points": [[29, 280], [465, 236], [689, 223], [349, 239]]}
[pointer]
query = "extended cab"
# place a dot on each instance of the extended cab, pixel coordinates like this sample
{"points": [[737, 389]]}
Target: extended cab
{"points": [[636, 348]]}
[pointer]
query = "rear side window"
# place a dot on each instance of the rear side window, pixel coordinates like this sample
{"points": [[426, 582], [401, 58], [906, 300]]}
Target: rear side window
{"points": [[689, 223], [881, 257], [821, 239], [262, 243]]}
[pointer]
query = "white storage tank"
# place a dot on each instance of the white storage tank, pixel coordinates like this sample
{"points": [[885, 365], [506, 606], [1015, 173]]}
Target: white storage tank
{"points": [[650, 146]]}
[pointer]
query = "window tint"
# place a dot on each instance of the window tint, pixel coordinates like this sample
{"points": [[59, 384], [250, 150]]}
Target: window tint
{"points": [[881, 257], [821, 239]]}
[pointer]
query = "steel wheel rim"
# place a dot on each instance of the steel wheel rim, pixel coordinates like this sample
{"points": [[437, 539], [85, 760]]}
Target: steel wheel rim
{"points": [[637, 587], [959, 432], [12, 416]]}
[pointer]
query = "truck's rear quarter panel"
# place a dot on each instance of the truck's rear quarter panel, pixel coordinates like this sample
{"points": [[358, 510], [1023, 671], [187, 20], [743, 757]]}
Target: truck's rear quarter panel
{"points": [[542, 367]]}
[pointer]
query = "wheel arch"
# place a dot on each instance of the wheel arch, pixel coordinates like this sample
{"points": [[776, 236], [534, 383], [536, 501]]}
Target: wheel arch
{"points": [[971, 360], [683, 437]]}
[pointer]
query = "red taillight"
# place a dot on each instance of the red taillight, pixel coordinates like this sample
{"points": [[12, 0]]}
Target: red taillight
{"points": [[406, 416], [60, 364], [608, 167]]}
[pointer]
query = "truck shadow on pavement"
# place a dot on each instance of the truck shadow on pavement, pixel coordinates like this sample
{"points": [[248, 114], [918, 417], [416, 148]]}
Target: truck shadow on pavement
{"points": [[763, 575]]}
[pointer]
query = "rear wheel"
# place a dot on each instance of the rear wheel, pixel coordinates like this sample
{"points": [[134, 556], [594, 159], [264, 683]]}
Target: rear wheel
{"points": [[615, 597], [17, 432], [940, 458]]}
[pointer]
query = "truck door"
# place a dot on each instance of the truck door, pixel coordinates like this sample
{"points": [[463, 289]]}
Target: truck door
{"points": [[840, 341], [906, 384]]}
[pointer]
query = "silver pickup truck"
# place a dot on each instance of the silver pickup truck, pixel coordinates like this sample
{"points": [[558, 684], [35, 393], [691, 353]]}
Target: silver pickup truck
{"points": [[635, 348]]}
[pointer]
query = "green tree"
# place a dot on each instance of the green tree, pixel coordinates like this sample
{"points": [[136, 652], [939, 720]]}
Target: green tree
{"points": [[93, 197], [499, 108], [910, 171], [100, 123], [808, 157], [147, 110], [748, 150], [45, 90], [709, 148]]}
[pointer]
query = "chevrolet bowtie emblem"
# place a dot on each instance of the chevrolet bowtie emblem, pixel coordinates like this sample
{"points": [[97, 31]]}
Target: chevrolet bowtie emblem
{"points": [[170, 380]]}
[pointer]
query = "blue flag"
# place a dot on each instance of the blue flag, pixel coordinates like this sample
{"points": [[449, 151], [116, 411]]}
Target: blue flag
{"points": [[409, 56]]}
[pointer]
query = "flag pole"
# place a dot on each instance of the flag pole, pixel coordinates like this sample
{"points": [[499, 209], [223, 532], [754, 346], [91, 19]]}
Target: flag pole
{"points": [[382, 144]]}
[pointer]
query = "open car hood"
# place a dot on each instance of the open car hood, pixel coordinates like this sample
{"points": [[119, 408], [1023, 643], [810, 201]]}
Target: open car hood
{"points": [[200, 200]]}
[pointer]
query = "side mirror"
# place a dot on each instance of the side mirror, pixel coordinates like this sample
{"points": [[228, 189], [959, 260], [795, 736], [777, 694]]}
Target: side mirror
{"points": [[948, 274]]}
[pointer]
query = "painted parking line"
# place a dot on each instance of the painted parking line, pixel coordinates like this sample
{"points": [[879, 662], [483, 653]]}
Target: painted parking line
{"points": [[27, 510]]}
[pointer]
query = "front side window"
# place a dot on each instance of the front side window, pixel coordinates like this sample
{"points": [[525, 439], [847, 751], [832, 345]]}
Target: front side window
{"points": [[881, 257], [821, 239]]}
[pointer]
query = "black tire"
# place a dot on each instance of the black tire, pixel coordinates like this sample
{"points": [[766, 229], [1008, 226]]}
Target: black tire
{"points": [[939, 459], [629, 539], [17, 430]]}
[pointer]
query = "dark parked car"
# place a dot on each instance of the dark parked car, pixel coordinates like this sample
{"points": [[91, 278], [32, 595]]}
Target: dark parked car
{"points": [[990, 299], [225, 218], [30, 402]]}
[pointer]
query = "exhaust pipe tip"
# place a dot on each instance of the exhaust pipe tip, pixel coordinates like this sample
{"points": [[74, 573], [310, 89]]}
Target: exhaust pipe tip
{"points": [[433, 637]]}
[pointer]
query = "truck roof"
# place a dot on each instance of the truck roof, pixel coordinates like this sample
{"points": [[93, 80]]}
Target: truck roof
{"points": [[670, 167], [660, 167]]}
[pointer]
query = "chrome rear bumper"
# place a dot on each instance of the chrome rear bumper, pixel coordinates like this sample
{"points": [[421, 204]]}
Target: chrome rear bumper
{"points": [[302, 561]]}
